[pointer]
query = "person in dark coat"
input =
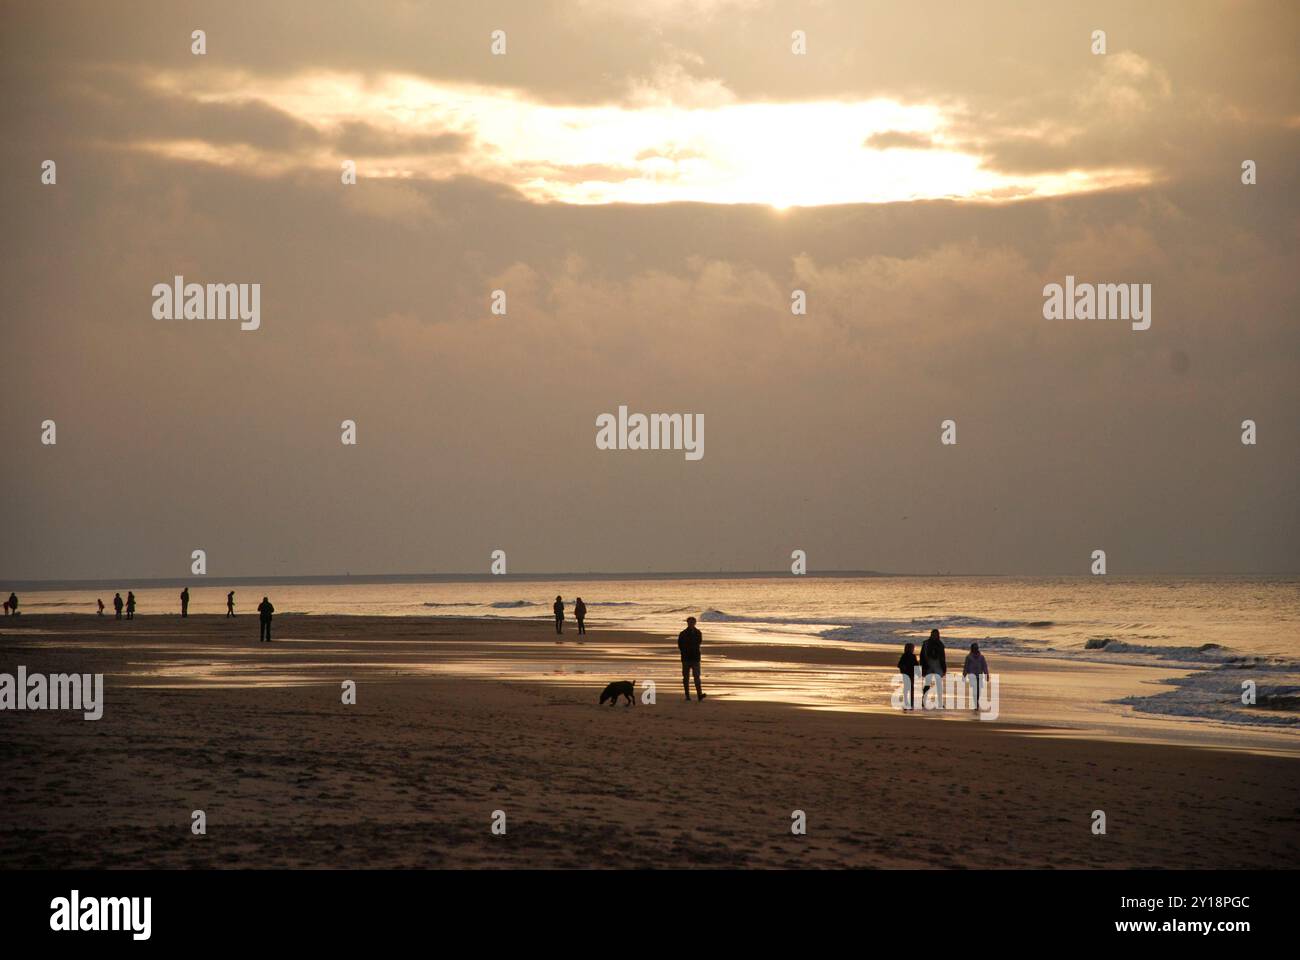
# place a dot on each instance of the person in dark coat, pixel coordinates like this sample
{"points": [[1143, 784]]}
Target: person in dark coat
{"points": [[264, 610], [130, 605], [558, 607], [580, 614], [185, 602], [688, 645], [907, 667], [117, 605], [934, 664]]}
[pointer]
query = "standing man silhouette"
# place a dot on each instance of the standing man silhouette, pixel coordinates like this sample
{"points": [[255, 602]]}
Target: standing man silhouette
{"points": [[559, 614], [185, 602], [264, 630], [688, 644], [117, 605], [580, 614], [230, 604]]}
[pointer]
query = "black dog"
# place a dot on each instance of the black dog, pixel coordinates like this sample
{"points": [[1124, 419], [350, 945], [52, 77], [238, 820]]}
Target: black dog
{"points": [[619, 688]]}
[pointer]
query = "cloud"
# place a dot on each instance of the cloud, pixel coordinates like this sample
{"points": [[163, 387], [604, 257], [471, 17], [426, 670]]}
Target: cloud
{"points": [[682, 139], [477, 430], [1127, 87], [672, 85], [361, 138], [898, 140]]}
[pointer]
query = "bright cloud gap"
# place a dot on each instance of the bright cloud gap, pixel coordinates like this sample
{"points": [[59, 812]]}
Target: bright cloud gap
{"points": [[779, 154]]}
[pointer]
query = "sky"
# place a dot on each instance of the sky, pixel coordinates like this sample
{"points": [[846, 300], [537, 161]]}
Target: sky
{"points": [[649, 184]]}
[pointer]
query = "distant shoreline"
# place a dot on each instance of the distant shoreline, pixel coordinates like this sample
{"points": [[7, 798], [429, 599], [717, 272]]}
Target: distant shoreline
{"points": [[101, 583]]}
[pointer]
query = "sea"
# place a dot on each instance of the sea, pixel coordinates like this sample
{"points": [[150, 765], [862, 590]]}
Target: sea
{"points": [[1207, 634]]}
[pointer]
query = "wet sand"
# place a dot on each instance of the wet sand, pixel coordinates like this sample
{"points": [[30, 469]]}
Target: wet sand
{"points": [[456, 719]]}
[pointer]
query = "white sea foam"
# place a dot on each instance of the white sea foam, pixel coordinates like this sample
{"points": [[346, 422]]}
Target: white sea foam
{"points": [[1216, 694]]}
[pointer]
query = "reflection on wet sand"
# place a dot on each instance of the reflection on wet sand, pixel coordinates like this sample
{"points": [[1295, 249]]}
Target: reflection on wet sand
{"points": [[1039, 696]]}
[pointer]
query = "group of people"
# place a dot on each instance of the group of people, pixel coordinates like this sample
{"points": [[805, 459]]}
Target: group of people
{"points": [[118, 604], [688, 642], [933, 658], [579, 614], [230, 602], [933, 662], [264, 609]]}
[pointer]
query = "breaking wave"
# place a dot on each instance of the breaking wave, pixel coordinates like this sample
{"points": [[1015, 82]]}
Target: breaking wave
{"points": [[1217, 694]]}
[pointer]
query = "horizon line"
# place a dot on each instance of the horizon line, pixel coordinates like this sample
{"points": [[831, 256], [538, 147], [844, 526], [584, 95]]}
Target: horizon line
{"points": [[370, 578]]}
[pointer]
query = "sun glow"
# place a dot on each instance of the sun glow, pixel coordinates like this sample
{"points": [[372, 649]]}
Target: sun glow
{"points": [[780, 154]]}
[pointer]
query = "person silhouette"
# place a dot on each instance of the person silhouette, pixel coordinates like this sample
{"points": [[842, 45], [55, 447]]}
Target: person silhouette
{"points": [[559, 614], [973, 669], [13, 604], [907, 667], [688, 644], [117, 605], [934, 664], [185, 602], [580, 614], [130, 605], [100, 601], [230, 604], [264, 630]]}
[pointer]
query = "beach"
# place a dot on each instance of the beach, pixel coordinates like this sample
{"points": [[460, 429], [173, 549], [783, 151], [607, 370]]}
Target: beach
{"points": [[462, 723]]}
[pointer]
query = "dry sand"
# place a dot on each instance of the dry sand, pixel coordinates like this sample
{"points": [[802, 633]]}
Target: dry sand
{"points": [[458, 718]]}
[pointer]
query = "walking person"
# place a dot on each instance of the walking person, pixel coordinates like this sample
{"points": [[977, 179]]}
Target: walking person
{"points": [[185, 602], [907, 667], [117, 605], [688, 645], [130, 605], [934, 664], [559, 614], [580, 614], [264, 610], [230, 604], [973, 670]]}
